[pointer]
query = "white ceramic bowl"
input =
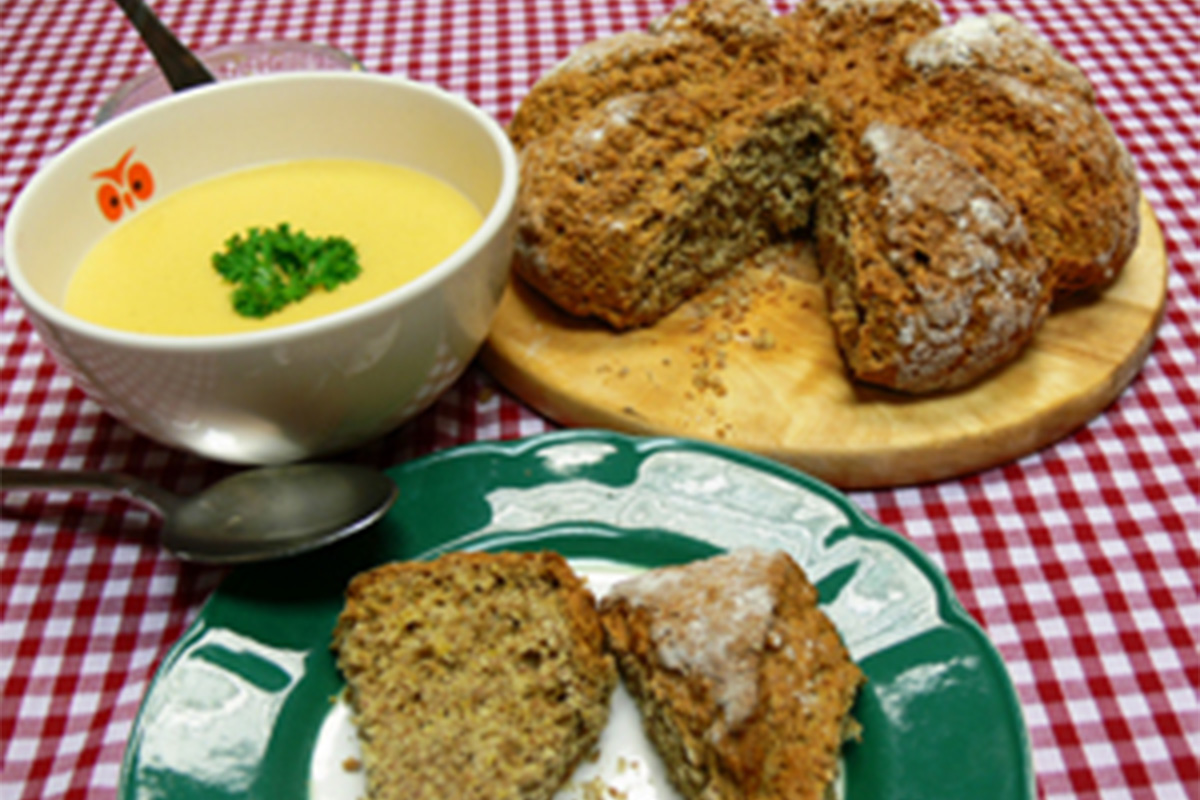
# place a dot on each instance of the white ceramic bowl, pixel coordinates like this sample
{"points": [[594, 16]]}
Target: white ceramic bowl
{"points": [[294, 392]]}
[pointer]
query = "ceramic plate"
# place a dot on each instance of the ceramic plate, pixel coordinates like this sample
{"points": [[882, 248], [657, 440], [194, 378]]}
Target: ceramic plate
{"points": [[247, 703]]}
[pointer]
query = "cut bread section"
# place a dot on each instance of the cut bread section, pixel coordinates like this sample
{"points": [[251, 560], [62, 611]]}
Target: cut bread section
{"points": [[475, 676]]}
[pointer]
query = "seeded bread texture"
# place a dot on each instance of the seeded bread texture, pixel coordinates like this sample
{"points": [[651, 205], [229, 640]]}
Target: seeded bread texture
{"points": [[744, 685], [474, 676], [631, 151]]}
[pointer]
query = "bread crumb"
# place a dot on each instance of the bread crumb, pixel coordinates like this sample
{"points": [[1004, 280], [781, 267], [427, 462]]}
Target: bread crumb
{"points": [[765, 340], [597, 789]]}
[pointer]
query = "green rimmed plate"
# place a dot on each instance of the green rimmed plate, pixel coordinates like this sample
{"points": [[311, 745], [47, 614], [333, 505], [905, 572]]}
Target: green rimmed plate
{"points": [[245, 705]]}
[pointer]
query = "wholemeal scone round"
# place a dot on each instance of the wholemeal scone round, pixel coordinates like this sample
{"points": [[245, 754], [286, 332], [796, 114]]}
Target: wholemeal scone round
{"points": [[475, 676], [744, 686], [631, 199]]}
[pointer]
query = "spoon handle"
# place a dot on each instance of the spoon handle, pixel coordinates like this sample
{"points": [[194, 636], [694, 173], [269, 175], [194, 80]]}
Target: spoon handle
{"points": [[18, 478], [181, 67]]}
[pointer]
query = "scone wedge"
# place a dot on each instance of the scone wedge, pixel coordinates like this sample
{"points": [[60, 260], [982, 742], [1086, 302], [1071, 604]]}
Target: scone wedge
{"points": [[744, 685], [475, 676]]}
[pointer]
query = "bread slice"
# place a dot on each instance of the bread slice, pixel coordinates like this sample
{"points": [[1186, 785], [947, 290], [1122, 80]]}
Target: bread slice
{"points": [[475, 675], [657, 195], [931, 277], [744, 685]]}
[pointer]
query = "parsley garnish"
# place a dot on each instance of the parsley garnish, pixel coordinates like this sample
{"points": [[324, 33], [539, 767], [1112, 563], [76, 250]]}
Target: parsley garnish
{"points": [[273, 268]]}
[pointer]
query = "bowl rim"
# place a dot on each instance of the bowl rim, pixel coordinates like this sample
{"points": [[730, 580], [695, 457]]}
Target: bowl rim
{"points": [[495, 218], [211, 57]]}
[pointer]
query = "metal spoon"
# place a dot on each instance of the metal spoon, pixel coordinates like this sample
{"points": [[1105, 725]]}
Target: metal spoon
{"points": [[250, 516], [180, 65]]}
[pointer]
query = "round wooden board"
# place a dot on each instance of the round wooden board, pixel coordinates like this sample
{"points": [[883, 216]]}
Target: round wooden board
{"points": [[755, 374]]}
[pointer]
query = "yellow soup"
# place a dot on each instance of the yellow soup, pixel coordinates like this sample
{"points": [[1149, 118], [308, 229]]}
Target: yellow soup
{"points": [[153, 273]]}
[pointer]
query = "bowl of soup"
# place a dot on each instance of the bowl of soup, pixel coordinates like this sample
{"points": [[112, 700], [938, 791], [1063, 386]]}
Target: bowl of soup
{"points": [[368, 218]]}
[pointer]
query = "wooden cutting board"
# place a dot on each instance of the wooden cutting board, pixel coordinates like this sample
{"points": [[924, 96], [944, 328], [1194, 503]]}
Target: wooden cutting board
{"points": [[753, 364]]}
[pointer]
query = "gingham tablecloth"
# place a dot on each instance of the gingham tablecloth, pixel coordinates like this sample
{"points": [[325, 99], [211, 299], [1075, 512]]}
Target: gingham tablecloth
{"points": [[1080, 561]]}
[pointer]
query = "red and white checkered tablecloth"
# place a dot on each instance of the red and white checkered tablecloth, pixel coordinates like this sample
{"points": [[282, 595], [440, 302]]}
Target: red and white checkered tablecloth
{"points": [[1081, 561]]}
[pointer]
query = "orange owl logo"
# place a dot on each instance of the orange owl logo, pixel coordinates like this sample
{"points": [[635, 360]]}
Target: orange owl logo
{"points": [[124, 185]]}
